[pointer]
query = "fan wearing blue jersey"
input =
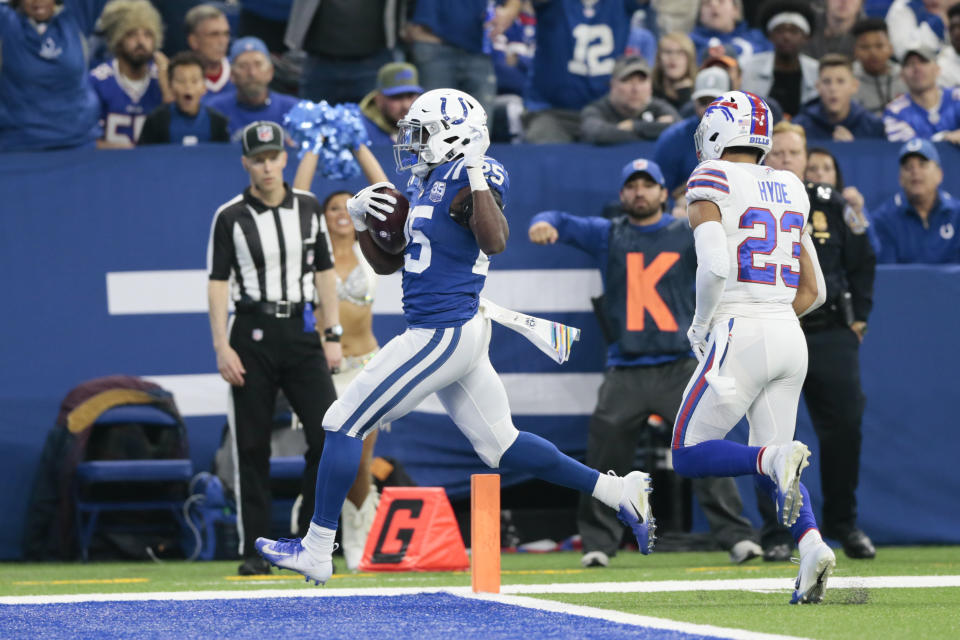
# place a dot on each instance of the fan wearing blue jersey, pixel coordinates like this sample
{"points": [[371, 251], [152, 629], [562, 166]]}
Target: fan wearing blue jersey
{"points": [[135, 82], [455, 222]]}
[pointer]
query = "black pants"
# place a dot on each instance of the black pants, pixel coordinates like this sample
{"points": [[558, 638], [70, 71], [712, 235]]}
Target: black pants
{"points": [[835, 401], [626, 396], [276, 353]]}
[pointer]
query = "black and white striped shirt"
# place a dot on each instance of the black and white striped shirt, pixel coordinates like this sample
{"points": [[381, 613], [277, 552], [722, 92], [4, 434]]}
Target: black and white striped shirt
{"points": [[271, 252]]}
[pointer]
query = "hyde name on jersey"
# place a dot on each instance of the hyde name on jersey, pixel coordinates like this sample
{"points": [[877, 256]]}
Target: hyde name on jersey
{"points": [[764, 212]]}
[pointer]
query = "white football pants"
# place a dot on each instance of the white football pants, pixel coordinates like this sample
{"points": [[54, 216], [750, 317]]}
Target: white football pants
{"points": [[767, 360], [453, 363]]}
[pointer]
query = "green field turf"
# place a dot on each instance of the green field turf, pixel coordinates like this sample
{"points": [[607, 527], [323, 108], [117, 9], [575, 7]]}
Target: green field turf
{"points": [[845, 613]]}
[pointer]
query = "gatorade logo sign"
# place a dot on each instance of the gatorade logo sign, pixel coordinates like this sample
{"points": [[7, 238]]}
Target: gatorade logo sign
{"points": [[414, 530], [400, 529]]}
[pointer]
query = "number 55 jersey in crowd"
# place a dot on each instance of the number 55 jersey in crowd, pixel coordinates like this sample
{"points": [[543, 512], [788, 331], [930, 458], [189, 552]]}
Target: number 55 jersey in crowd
{"points": [[763, 211]]}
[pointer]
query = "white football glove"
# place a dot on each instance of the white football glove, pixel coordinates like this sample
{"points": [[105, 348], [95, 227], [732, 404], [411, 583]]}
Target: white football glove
{"points": [[476, 146], [368, 201], [697, 335]]}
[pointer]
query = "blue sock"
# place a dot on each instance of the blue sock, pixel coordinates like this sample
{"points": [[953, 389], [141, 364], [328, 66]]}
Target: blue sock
{"points": [[335, 476], [806, 520], [720, 458], [538, 456]]}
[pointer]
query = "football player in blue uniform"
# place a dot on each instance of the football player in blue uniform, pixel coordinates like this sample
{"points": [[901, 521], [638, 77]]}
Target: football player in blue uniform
{"points": [[455, 222]]}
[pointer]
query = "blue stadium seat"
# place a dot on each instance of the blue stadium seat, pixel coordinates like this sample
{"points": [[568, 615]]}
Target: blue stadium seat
{"points": [[124, 472]]}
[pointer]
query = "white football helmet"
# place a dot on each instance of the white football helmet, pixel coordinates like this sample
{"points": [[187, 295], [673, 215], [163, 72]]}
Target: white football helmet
{"points": [[735, 119], [435, 129]]}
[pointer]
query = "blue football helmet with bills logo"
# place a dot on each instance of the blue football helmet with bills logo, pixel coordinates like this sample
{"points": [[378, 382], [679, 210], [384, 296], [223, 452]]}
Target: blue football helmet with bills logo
{"points": [[735, 119], [435, 129]]}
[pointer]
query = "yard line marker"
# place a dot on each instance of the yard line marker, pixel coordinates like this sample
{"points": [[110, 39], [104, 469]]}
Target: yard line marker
{"points": [[750, 584], [629, 618]]}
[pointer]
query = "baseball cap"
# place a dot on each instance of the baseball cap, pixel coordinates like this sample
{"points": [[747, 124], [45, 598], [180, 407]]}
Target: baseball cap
{"points": [[261, 135], [641, 165], [924, 52], [398, 77], [710, 83], [628, 65], [920, 147], [250, 43]]}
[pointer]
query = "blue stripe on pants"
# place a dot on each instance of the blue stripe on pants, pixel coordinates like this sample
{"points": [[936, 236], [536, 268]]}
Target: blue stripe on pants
{"points": [[400, 395], [391, 379]]}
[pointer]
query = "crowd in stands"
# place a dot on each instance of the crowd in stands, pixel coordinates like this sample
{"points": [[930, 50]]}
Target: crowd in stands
{"points": [[93, 73]]}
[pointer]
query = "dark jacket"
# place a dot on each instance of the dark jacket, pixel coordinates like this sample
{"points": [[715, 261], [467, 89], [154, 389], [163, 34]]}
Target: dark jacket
{"points": [[861, 122], [599, 120], [156, 128]]}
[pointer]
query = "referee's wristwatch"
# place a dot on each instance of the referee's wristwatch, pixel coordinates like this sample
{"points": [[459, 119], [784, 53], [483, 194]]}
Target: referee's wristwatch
{"points": [[333, 334]]}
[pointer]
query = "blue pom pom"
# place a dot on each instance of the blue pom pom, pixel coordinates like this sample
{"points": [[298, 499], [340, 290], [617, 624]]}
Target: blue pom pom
{"points": [[331, 132]]}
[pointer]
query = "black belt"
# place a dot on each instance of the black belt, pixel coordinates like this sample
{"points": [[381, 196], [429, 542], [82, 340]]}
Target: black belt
{"points": [[281, 309]]}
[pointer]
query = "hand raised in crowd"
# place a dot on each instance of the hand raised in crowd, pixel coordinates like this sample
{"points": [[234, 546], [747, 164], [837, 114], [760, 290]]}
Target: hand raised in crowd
{"points": [[163, 63], [842, 134], [230, 366], [543, 233]]}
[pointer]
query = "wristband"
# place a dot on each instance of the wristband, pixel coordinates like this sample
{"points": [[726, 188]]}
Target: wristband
{"points": [[477, 180]]}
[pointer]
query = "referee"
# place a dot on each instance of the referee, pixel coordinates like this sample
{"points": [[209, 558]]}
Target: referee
{"points": [[272, 241]]}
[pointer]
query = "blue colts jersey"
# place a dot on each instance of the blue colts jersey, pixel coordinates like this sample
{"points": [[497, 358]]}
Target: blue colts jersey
{"points": [[124, 105], [443, 269], [577, 45]]}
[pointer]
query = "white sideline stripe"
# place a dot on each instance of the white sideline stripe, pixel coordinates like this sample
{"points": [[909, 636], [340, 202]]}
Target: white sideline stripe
{"points": [[527, 290], [628, 618], [662, 586], [530, 394]]}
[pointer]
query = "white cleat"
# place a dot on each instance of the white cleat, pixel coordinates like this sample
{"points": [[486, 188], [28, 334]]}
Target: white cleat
{"points": [[595, 559], [745, 550], [815, 568], [288, 553], [356, 525], [635, 511], [789, 461]]}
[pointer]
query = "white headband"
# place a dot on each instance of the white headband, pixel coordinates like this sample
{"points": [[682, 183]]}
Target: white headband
{"points": [[789, 17]]}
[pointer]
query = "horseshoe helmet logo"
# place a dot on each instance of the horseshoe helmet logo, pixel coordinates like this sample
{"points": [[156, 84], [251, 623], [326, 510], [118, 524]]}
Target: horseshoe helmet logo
{"points": [[450, 119]]}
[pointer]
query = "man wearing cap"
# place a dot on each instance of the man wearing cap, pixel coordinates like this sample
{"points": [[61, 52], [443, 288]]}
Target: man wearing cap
{"points": [[784, 74], [271, 242], [397, 87], [251, 70], [629, 112], [926, 110], [675, 151], [921, 223], [648, 265]]}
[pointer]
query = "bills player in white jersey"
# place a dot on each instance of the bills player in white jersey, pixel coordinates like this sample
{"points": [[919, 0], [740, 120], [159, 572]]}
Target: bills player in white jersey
{"points": [[757, 271], [455, 222]]}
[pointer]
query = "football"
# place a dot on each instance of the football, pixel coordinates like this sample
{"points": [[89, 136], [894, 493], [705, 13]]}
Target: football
{"points": [[388, 234]]}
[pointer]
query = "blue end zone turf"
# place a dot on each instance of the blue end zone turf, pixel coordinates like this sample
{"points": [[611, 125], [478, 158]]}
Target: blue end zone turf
{"points": [[426, 616]]}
